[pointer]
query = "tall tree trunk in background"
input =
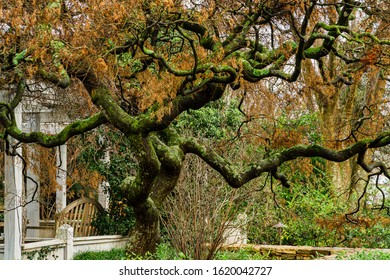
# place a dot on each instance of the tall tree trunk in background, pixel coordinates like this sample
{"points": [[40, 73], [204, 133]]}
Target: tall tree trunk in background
{"points": [[327, 96], [341, 109], [339, 173], [368, 95]]}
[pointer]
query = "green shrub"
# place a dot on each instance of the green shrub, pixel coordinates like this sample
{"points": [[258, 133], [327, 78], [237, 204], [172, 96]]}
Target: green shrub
{"points": [[313, 216], [216, 121]]}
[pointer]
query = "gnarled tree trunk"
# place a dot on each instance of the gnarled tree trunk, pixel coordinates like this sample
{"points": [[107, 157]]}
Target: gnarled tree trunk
{"points": [[159, 170]]}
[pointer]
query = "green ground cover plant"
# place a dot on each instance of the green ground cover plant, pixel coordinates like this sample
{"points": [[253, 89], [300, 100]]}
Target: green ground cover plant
{"points": [[166, 252], [365, 255], [114, 254]]}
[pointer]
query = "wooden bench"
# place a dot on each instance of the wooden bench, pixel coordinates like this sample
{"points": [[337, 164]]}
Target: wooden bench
{"points": [[80, 215]]}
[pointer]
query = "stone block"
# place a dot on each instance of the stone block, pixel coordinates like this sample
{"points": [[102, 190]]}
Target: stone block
{"points": [[286, 251]]}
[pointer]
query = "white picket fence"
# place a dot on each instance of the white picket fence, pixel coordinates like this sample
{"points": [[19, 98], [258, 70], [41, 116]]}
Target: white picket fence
{"points": [[64, 246]]}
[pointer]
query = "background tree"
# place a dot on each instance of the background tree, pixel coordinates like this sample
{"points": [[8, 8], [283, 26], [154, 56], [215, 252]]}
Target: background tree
{"points": [[138, 65]]}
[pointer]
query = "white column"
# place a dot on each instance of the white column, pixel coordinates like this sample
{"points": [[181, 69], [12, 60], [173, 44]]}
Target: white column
{"points": [[13, 225], [103, 194], [61, 177], [32, 196]]}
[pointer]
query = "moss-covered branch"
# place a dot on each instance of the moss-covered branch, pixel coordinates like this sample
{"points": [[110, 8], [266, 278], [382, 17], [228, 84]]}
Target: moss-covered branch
{"points": [[149, 121], [51, 140], [221, 73], [60, 79], [236, 176]]}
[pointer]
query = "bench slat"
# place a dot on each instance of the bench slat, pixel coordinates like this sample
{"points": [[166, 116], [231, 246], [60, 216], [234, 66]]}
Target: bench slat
{"points": [[80, 214]]}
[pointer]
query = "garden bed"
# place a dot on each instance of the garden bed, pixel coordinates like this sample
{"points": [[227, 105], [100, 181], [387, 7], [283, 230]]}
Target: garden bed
{"points": [[254, 252], [286, 252]]}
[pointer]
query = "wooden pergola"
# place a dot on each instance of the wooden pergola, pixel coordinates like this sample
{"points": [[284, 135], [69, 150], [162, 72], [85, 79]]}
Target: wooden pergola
{"points": [[18, 194], [14, 196]]}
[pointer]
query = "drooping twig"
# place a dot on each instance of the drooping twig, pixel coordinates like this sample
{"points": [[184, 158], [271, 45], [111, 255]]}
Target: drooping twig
{"points": [[348, 215]]}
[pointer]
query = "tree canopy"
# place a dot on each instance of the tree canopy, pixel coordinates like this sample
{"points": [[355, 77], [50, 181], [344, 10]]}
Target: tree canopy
{"points": [[136, 66]]}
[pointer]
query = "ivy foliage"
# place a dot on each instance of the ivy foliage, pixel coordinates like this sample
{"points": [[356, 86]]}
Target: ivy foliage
{"points": [[119, 218]]}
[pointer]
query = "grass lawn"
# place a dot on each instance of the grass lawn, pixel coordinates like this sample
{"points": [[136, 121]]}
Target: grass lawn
{"points": [[114, 254]]}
